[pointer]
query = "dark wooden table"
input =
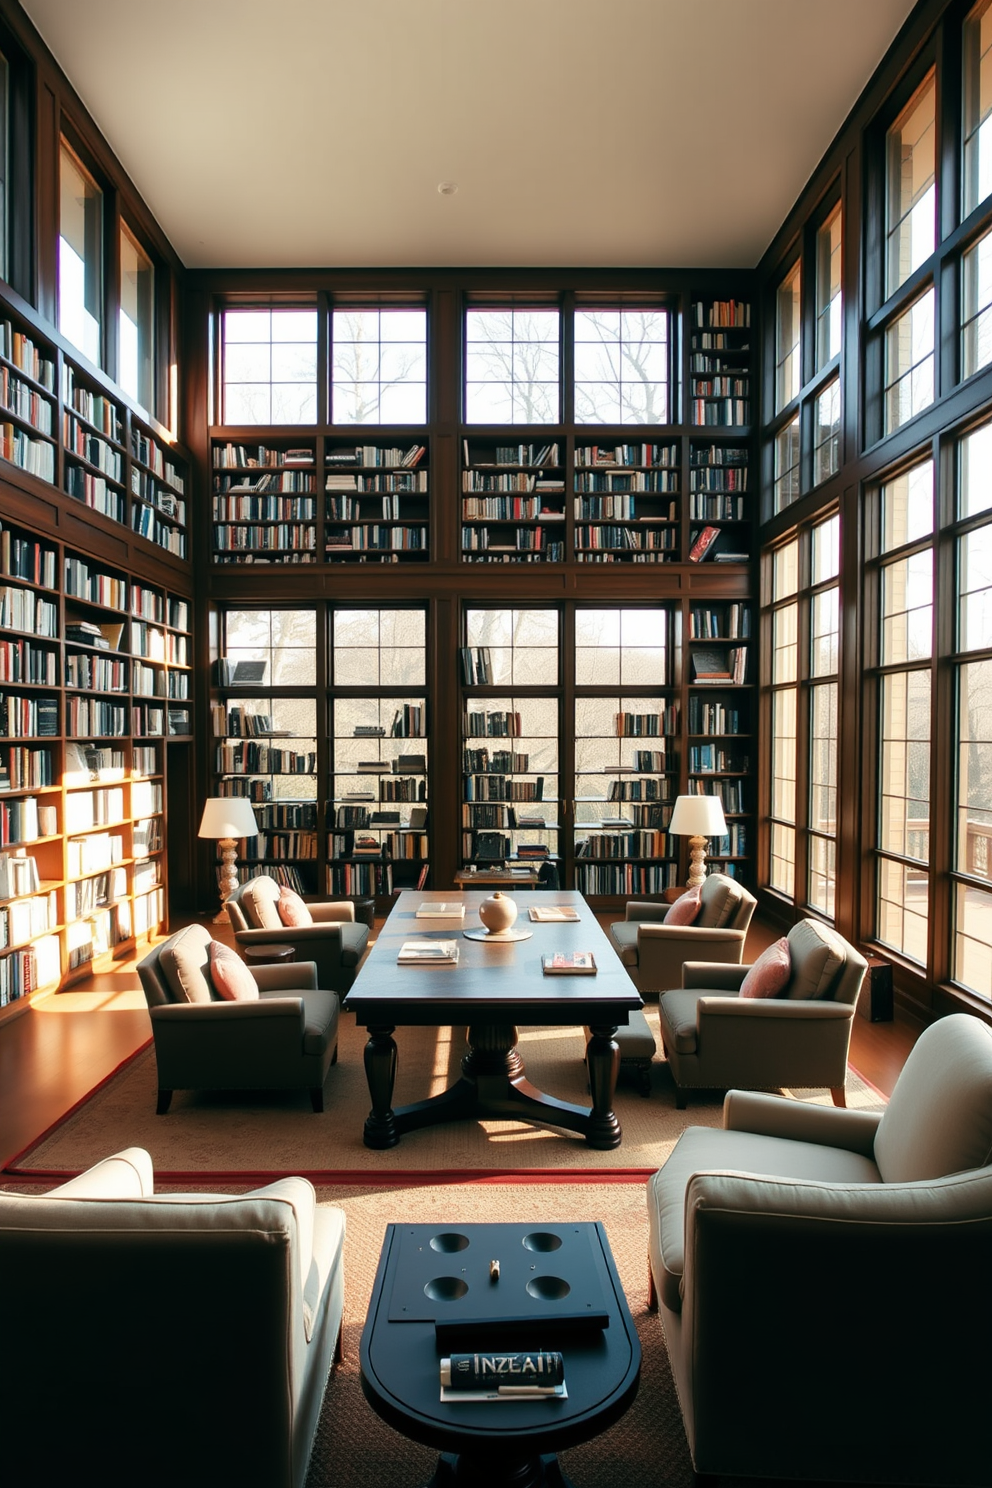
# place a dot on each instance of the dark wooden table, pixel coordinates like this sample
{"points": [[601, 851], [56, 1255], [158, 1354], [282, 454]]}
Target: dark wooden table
{"points": [[436, 1277], [492, 989]]}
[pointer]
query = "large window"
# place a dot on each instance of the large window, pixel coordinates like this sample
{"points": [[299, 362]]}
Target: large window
{"points": [[977, 102], [788, 325], [269, 366], [136, 323], [379, 366], [910, 153], [972, 951], [80, 256], [4, 163], [904, 649], [784, 702], [512, 362], [908, 382], [621, 366]]}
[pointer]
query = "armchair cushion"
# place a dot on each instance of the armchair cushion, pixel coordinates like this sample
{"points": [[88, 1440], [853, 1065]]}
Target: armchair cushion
{"points": [[817, 956], [259, 898], [291, 909], [950, 1075], [624, 937], [770, 972], [678, 1019], [185, 963], [232, 981], [685, 910], [719, 901]]}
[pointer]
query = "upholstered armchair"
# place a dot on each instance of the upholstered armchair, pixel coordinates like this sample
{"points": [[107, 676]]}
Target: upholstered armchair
{"points": [[286, 1038], [714, 1038], [333, 941], [809, 1262], [166, 1339], [654, 952]]}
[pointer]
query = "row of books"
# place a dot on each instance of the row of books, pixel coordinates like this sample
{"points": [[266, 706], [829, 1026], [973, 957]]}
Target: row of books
{"points": [[25, 919], [25, 769], [641, 788], [147, 449], [651, 455], [708, 759], [22, 351], [403, 483], [92, 448], [24, 819], [287, 815], [278, 845], [515, 454], [491, 725], [28, 718], [23, 662], [24, 558], [92, 717], [476, 665], [263, 759], [620, 508], [22, 609], [708, 507], [145, 520], [18, 397], [90, 853], [497, 761], [651, 539], [634, 480], [99, 808], [34, 455], [277, 537], [503, 509], [377, 538], [236, 721], [98, 588], [272, 481], [147, 488], [719, 664], [240, 456], [637, 844], [624, 878], [488, 786], [369, 508], [25, 971]]}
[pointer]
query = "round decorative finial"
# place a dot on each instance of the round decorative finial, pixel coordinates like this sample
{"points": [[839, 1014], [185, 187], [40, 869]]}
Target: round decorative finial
{"points": [[498, 912]]}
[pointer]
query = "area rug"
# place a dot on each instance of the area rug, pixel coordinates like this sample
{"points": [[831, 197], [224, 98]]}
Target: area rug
{"points": [[261, 1135], [645, 1449]]}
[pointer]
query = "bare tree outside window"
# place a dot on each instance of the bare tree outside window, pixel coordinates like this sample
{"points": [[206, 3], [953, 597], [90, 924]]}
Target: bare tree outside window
{"points": [[270, 366], [379, 367], [621, 366], [512, 361]]}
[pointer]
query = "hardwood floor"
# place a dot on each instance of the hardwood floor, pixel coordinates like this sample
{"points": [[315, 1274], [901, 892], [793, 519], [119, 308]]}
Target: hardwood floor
{"points": [[65, 1045]]}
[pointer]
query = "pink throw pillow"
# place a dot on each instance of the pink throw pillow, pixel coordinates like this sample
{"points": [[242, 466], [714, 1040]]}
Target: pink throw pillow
{"points": [[685, 909], [232, 980], [769, 973], [292, 910]]}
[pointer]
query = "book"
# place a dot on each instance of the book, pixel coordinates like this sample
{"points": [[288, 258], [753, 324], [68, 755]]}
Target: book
{"points": [[569, 963], [710, 663], [248, 671], [702, 542], [554, 914], [418, 818], [428, 953], [442, 909]]}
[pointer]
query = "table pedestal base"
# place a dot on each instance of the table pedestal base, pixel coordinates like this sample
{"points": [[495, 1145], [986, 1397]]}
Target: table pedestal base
{"points": [[493, 1087], [466, 1471]]}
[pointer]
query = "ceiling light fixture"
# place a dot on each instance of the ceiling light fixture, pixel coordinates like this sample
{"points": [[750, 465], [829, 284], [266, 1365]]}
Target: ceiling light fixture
{"points": [[447, 188]]}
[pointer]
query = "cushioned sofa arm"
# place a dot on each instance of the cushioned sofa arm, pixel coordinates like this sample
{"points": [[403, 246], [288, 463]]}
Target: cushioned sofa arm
{"points": [[688, 935], [288, 934], [798, 1121], [293, 976], [187, 1014], [957, 1200], [715, 975], [643, 911], [773, 1009], [126, 1175], [326, 914]]}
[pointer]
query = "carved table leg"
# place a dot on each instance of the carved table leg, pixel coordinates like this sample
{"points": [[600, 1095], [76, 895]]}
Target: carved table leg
{"points": [[380, 1072], [603, 1058]]}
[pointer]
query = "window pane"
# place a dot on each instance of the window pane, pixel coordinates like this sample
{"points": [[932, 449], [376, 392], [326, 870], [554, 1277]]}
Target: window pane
{"points": [[974, 834], [286, 640], [379, 366], [784, 754], [909, 363], [270, 366], [621, 367], [826, 433], [828, 292], [975, 590], [80, 257], [782, 871], [785, 649], [378, 648], [977, 106], [826, 550], [976, 307], [907, 506], [785, 570], [4, 162], [975, 472], [904, 773], [822, 874], [901, 911], [823, 758], [910, 154], [907, 609], [824, 637], [973, 938], [512, 366], [787, 464], [522, 645], [136, 325], [788, 313]]}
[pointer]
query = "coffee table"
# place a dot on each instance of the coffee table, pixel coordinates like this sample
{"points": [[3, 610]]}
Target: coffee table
{"points": [[492, 989], [433, 1296]]}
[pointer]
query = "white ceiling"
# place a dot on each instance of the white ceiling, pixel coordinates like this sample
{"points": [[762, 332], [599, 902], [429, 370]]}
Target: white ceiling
{"points": [[580, 132]]}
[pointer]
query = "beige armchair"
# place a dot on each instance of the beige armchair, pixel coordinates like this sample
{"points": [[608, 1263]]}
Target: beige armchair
{"points": [[286, 1040], [817, 1269], [714, 1038], [166, 1339], [334, 942], [654, 952]]}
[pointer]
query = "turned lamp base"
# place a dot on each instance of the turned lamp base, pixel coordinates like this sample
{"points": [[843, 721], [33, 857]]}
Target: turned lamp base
{"points": [[697, 862], [228, 875]]}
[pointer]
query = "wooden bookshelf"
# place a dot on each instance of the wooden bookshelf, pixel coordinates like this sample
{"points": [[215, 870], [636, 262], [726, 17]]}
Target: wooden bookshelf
{"points": [[719, 743], [513, 500], [264, 506], [377, 501], [627, 505]]}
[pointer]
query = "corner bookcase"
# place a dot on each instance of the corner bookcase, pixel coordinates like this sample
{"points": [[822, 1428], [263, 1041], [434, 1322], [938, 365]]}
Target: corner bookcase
{"points": [[94, 678]]}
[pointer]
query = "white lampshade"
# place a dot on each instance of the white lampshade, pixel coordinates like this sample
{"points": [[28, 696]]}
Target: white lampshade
{"points": [[698, 816], [228, 817]]}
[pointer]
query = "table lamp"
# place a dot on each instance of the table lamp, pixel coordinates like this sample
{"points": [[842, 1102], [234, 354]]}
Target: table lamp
{"points": [[698, 817], [226, 819]]}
